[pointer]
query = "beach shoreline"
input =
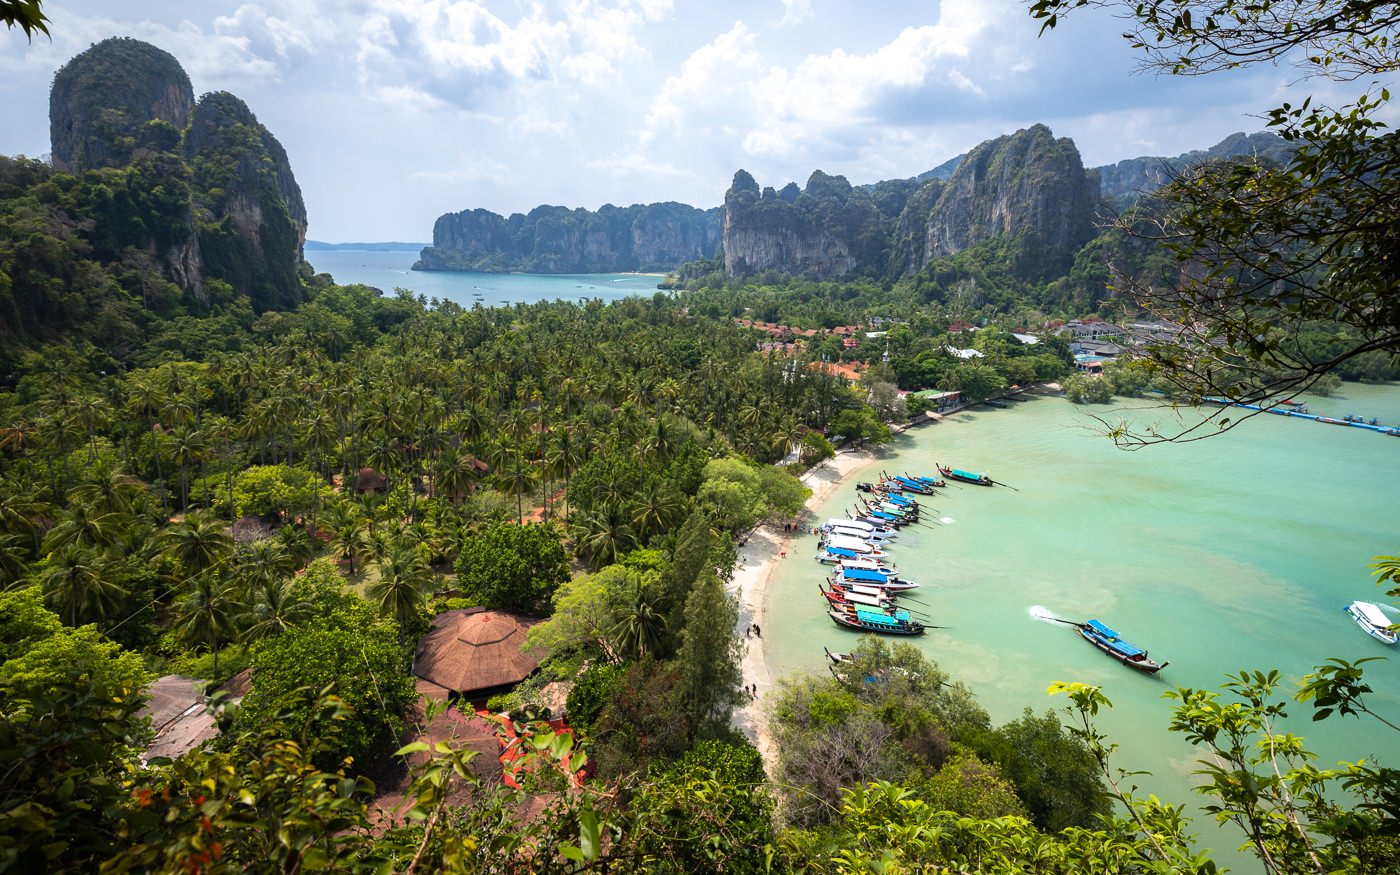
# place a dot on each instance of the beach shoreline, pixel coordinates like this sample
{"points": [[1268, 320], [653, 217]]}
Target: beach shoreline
{"points": [[760, 555]]}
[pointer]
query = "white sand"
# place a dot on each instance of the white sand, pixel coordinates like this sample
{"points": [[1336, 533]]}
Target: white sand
{"points": [[759, 557]]}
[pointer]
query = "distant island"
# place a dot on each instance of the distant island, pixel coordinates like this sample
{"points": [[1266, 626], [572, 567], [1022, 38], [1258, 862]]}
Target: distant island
{"points": [[392, 246]]}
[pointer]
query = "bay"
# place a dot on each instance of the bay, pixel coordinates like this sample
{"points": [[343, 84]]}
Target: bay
{"points": [[388, 271], [1237, 552]]}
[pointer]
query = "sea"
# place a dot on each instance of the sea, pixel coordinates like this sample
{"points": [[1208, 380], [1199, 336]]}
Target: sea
{"points": [[1238, 552], [389, 271]]}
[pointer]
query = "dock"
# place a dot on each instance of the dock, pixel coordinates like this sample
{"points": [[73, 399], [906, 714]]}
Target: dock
{"points": [[1278, 410]]}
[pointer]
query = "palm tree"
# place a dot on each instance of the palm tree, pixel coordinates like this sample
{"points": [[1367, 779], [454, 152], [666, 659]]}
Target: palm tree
{"points": [[196, 544], [111, 491], [273, 607], [263, 563], [456, 478], [640, 630], [656, 509], [348, 540], [91, 412], [12, 556], [73, 583], [602, 535], [85, 527], [402, 588], [186, 447], [207, 612]]}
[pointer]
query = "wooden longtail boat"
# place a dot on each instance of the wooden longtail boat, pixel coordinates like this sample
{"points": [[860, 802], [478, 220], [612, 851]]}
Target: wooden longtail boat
{"points": [[872, 621], [1108, 641], [966, 476]]}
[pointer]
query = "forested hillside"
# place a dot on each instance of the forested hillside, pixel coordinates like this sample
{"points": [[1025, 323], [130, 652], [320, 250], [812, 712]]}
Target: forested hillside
{"points": [[157, 207]]}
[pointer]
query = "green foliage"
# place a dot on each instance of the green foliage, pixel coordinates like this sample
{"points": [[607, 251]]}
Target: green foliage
{"points": [[1054, 773], [272, 491], [591, 692], [738, 495], [1086, 389], [708, 812], [709, 654], [362, 666], [972, 788], [69, 733], [512, 567]]}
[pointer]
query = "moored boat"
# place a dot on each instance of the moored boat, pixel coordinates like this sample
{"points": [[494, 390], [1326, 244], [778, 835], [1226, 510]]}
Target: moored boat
{"points": [[966, 476], [874, 621], [1372, 621], [1112, 644]]}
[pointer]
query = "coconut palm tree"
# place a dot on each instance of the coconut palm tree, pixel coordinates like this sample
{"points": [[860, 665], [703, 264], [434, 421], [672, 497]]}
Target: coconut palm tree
{"points": [[73, 583], [273, 607], [656, 509], [263, 562], [641, 628], [86, 527], [348, 539], [207, 612], [402, 587], [110, 491], [602, 535], [196, 543]]}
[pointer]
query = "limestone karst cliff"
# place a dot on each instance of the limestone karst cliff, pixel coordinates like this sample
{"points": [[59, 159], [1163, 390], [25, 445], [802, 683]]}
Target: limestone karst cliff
{"points": [[249, 209], [827, 230], [1027, 184], [550, 239], [114, 101], [208, 192]]}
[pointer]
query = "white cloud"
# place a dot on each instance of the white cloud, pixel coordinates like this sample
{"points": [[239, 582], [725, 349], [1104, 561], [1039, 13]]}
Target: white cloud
{"points": [[712, 77], [473, 168], [796, 11]]}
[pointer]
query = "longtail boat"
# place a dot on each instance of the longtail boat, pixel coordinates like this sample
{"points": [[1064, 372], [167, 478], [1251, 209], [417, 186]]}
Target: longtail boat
{"points": [[966, 476], [874, 621], [1112, 644]]}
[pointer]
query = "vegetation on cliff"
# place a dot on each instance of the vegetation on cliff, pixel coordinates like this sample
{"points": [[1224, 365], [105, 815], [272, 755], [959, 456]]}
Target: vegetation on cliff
{"points": [[641, 237]]}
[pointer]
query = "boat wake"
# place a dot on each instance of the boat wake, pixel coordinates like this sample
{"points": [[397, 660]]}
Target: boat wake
{"points": [[946, 520], [1044, 614]]}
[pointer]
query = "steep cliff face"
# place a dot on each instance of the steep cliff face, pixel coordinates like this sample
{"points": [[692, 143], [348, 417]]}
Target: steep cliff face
{"points": [[1127, 180], [251, 218], [207, 191], [827, 231], [550, 239], [1027, 184], [113, 101]]}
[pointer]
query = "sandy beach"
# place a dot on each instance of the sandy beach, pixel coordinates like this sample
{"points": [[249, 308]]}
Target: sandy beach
{"points": [[759, 557]]}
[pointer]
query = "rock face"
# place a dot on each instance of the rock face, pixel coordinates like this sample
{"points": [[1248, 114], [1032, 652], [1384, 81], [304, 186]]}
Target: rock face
{"points": [[253, 220], [1129, 179], [114, 100], [1028, 184], [827, 230], [223, 199], [642, 237]]}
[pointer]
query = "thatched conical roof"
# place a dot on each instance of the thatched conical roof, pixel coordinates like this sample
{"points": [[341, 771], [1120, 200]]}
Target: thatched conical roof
{"points": [[472, 649]]}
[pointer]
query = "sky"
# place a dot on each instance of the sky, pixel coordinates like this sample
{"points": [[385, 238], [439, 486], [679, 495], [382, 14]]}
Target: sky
{"points": [[396, 111]]}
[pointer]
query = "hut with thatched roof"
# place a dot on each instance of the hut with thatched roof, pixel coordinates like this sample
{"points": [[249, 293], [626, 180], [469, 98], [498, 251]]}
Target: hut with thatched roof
{"points": [[370, 481], [475, 653]]}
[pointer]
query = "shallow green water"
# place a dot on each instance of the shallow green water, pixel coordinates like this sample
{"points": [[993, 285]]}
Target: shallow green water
{"points": [[1236, 552]]}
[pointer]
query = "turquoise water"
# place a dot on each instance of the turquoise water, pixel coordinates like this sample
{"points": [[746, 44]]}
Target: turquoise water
{"points": [[391, 270], [1236, 552]]}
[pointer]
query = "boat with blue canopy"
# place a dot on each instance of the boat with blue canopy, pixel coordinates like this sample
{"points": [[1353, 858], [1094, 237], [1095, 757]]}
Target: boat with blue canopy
{"points": [[1112, 644], [900, 623], [966, 476]]}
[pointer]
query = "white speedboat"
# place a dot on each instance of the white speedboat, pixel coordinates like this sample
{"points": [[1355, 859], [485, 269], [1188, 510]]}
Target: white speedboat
{"points": [[1372, 621]]}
